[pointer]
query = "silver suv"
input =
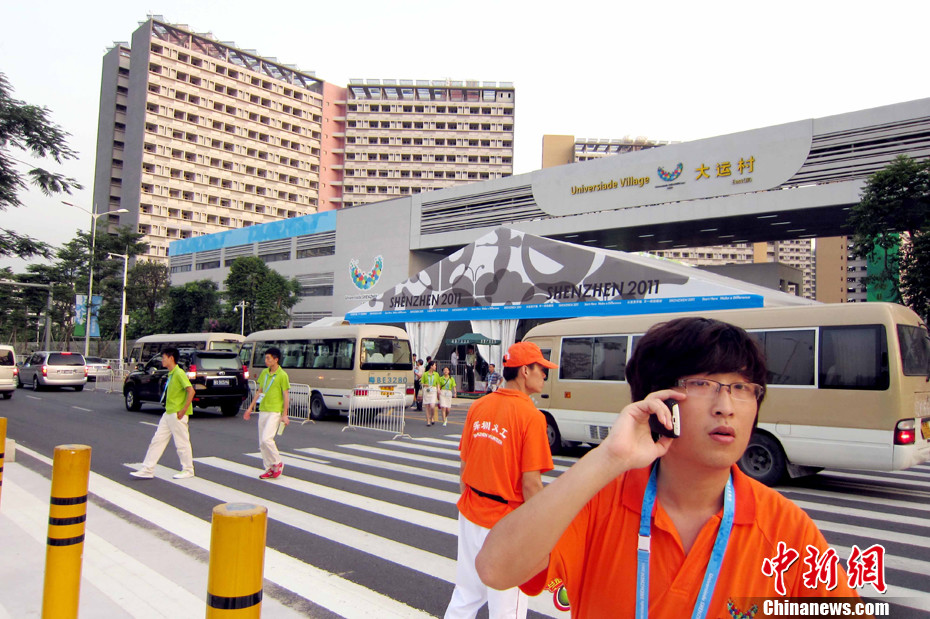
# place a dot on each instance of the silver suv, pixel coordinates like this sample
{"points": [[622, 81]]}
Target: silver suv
{"points": [[54, 369]]}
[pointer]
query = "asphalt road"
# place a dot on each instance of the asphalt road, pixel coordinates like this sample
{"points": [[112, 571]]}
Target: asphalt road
{"points": [[380, 513]]}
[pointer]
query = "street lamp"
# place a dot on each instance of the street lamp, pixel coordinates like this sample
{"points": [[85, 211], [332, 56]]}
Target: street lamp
{"points": [[240, 306], [88, 306], [122, 312]]}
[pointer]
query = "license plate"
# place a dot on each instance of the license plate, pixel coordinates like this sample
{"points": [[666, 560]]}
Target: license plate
{"points": [[925, 429], [221, 382], [387, 390]]}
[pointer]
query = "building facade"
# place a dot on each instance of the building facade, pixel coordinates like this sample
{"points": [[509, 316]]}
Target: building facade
{"points": [[197, 136]]}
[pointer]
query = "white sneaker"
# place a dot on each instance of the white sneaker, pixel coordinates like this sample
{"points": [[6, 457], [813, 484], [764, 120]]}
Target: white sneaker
{"points": [[184, 475], [141, 474], [445, 423]]}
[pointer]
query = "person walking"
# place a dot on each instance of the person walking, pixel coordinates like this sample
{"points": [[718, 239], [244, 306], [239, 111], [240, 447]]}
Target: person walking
{"points": [[273, 403], [430, 385], [494, 379], [177, 397], [417, 387], [471, 360], [504, 450], [446, 393]]}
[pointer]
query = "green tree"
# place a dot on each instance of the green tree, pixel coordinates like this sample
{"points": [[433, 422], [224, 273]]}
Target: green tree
{"points": [[147, 289], [190, 307], [915, 274], [29, 129], [894, 202], [268, 294]]}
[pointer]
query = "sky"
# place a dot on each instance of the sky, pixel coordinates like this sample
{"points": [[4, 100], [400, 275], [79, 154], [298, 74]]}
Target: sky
{"points": [[674, 70]]}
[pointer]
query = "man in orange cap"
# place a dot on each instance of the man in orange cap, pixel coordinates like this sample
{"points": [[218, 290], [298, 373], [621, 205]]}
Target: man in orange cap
{"points": [[504, 449]]}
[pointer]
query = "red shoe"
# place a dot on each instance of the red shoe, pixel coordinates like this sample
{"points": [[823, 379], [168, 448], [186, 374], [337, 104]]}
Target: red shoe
{"points": [[269, 474], [277, 469]]}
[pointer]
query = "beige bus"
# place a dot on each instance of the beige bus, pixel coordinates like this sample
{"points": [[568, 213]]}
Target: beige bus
{"points": [[148, 346], [847, 384], [335, 360]]}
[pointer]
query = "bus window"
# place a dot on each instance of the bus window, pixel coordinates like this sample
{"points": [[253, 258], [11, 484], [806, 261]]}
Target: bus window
{"points": [[218, 345], [915, 350], [789, 356], [593, 358], [245, 354], [385, 354], [854, 357]]}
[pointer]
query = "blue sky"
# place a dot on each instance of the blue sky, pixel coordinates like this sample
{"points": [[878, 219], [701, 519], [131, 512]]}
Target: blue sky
{"points": [[673, 71]]}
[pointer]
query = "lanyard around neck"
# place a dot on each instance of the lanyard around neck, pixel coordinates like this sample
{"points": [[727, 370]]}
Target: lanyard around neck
{"points": [[265, 384], [716, 555], [164, 394]]}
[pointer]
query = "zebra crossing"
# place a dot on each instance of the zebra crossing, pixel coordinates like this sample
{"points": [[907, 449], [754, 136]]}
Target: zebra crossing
{"points": [[390, 506]]}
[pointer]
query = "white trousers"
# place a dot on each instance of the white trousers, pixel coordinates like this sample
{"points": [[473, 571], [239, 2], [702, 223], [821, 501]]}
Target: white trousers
{"points": [[470, 593], [169, 426], [267, 428]]}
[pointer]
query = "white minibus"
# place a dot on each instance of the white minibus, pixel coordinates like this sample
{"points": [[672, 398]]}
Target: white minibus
{"points": [[148, 346], [336, 360], [847, 384]]}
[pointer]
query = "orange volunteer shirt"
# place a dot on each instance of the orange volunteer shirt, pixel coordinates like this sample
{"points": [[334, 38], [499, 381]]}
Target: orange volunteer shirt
{"points": [[595, 559], [504, 436]]}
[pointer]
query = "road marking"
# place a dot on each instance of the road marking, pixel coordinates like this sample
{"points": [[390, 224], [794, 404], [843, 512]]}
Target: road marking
{"points": [[384, 508], [149, 423], [86, 410], [381, 464], [32, 397]]}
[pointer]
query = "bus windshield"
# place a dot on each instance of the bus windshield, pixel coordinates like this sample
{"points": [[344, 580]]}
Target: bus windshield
{"points": [[385, 354]]}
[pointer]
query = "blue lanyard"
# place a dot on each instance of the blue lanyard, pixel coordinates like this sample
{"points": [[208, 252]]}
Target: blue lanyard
{"points": [[164, 393], [716, 555], [265, 384]]}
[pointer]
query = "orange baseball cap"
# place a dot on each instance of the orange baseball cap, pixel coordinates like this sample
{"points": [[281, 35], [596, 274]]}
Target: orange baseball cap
{"points": [[525, 353]]}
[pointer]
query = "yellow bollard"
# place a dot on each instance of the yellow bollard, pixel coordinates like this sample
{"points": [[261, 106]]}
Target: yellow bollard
{"points": [[2, 449], [237, 561], [66, 518]]}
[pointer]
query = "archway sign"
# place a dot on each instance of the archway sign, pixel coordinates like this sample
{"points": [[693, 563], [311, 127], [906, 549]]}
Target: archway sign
{"points": [[473, 339], [508, 275]]}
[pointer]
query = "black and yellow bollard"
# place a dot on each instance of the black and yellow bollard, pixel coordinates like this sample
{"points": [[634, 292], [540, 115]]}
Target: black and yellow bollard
{"points": [[2, 449], [237, 561], [66, 518]]}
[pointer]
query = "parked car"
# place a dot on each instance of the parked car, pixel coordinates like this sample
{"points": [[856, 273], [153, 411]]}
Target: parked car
{"points": [[9, 373], [95, 366], [48, 368], [218, 378]]}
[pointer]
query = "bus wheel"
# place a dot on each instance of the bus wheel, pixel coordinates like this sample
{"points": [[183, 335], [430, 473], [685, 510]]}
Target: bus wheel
{"points": [[553, 434], [764, 460], [318, 408]]}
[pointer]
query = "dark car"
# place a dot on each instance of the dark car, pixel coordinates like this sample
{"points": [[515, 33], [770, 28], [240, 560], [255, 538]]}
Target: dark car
{"points": [[218, 378]]}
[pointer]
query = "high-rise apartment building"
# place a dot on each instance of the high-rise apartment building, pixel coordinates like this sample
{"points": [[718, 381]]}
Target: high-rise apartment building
{"points": [[198, 136], [407, 136]]}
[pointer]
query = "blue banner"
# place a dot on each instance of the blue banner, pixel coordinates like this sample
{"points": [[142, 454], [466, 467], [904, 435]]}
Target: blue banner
{"points": [[80, 317], [562, 310]]}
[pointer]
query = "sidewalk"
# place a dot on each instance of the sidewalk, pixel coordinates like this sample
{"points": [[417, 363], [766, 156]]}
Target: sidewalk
{"points": [[131, 567]]}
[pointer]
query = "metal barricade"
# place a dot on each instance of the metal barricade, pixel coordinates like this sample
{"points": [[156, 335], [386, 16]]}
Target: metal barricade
{"points": [[108, 381], [378, 407], [298, 401]]}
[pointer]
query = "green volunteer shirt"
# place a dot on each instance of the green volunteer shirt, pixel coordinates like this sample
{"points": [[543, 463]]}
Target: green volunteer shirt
{"points": [[430, 379], [176, 395], [273, 386], [446, 383]]}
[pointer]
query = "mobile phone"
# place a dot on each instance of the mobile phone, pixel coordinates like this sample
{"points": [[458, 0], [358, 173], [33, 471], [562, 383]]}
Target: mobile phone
{"points": [[660, 430]]}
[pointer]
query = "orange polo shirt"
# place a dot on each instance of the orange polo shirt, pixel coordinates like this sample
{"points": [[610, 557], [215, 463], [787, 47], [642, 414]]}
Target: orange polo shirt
{"points": [[595, 559], [504, 436]]}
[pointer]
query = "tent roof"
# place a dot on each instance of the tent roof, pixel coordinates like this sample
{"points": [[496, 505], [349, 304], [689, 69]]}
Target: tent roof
{"points": [[508, 274]]}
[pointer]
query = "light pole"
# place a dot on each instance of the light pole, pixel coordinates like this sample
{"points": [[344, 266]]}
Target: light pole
{"points": [[240, 307], [122, 311], [89, 304]]}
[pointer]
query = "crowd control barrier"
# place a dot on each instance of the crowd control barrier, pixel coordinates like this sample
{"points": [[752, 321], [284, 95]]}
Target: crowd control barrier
{"points": [[237, 561], [298, 398], [66, 520], [109, 381], [378, 407], [2, 449]]}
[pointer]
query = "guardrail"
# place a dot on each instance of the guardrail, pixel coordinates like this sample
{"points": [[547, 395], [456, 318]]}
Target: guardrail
{"points": [[108, 381], [298, 399], [378, 407]]}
